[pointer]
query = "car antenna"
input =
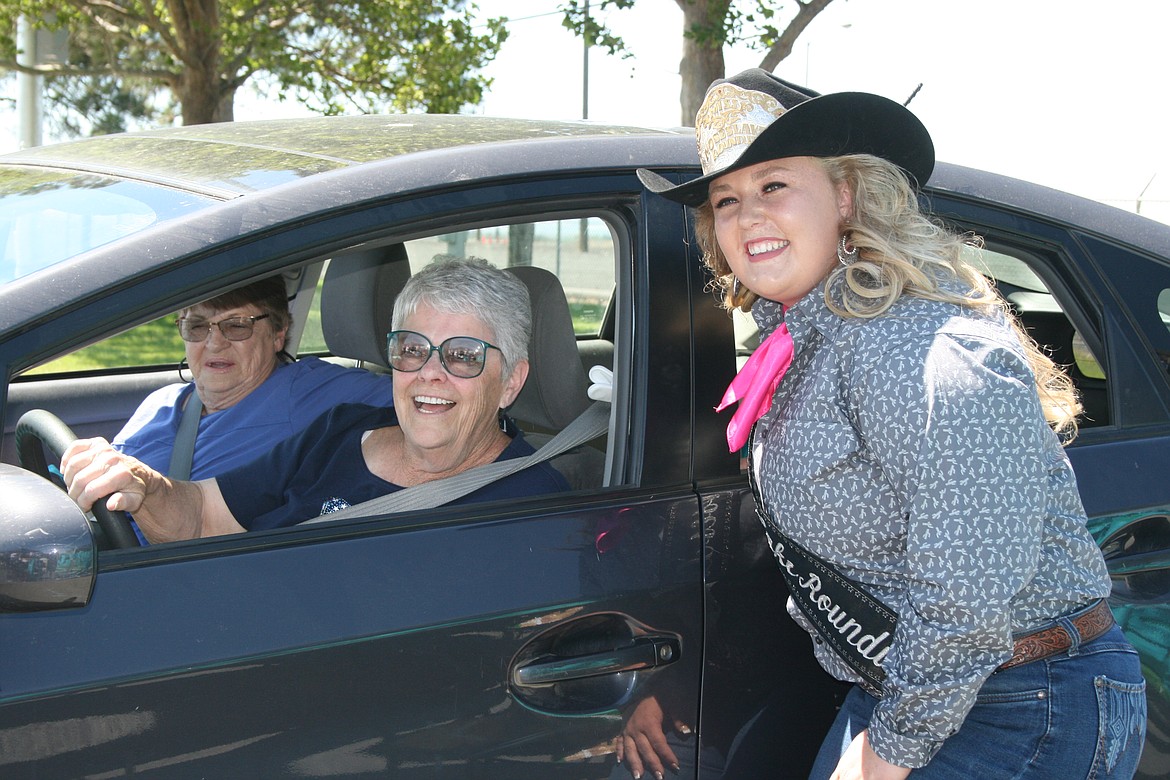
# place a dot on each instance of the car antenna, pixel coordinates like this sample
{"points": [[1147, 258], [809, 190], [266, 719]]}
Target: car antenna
{"points": [[912, 95]]}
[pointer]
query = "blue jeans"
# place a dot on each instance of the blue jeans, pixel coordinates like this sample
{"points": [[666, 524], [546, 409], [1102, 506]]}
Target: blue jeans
{"points": [[1078, 714]]}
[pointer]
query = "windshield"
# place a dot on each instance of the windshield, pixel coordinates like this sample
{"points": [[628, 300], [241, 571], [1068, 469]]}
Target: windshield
{"points": [[49, 215]]}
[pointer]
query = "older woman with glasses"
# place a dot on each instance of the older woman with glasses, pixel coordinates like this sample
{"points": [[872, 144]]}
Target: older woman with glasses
{"points": [[247, 394], [447, 418]]}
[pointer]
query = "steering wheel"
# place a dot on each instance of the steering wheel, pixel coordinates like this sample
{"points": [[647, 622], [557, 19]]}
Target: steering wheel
{"points": [[37, 427]]}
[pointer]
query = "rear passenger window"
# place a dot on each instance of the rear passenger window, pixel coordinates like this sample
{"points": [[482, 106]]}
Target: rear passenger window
{"points": [[1045, 321]]}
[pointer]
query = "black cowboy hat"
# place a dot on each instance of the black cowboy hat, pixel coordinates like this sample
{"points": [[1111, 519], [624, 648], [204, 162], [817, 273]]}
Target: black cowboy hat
{"points": [[754, 116]]}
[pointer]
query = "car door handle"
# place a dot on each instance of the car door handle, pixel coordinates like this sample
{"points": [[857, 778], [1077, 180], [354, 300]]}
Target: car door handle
{"points": [[1137, 558], [1138, 547], [1139, 563], [646, 652]]}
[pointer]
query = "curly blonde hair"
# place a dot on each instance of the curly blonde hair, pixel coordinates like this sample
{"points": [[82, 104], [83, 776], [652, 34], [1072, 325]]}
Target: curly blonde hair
{"points": [[900, 250]]}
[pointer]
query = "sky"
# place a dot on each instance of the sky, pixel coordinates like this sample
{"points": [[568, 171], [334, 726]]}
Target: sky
{"points": [[1065, 93]]}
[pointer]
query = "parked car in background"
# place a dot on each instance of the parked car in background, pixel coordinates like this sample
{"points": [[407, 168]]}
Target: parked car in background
{"points": [[492, 640]]}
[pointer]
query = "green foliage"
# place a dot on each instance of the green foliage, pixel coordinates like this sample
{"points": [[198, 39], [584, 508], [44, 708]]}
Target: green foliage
{"points": [[591, 30], [334, 57], [97, 105], [726, 22]]}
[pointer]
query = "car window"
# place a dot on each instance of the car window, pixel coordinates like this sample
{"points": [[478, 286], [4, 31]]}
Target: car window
{"points": [[747, 336], [1045, 320], [1164, 308], [580, 252], [1043, 317], [1141, 284], [150, 345]]}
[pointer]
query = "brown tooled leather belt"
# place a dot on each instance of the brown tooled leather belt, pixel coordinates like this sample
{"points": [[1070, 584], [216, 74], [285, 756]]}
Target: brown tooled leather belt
{"points": [[1090, 624]]}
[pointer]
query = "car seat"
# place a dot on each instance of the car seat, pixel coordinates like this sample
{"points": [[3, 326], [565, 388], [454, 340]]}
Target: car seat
{"points": [[357, 301], [556, 390]]}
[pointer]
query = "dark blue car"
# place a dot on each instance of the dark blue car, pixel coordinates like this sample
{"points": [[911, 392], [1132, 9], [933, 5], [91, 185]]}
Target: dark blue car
{"points": [[492, 640]]}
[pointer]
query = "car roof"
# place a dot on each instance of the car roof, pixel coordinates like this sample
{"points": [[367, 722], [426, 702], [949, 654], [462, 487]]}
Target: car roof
{"points": [[1070, 211], [230, 159]]}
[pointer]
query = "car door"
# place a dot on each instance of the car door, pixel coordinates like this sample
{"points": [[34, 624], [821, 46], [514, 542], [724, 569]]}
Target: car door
{"points": [[501, 641], [1099, 306]]}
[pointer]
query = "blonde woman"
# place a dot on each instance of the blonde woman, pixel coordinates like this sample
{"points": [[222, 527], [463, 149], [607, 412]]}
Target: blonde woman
{"points": [[906, 451]]}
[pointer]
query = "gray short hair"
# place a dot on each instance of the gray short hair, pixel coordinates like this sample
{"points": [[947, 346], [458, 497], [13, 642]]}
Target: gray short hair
{"points": [[472, 285]]}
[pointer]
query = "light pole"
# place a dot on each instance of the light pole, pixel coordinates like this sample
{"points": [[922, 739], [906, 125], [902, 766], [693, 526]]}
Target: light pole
{"points": [[585, 67], [28, 94], [583, 236]]}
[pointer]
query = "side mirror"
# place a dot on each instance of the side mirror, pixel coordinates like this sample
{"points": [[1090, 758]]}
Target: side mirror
{"points": [[47, 549]]}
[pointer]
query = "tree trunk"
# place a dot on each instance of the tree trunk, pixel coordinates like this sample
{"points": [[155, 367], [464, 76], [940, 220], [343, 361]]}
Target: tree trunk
{"points": [[201, 90], [520, 240], [227, 105], [200, 98], [702, 58]]}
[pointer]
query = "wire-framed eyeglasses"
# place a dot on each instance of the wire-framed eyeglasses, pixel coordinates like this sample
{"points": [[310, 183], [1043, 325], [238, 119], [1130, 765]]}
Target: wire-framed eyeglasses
{"points": [[462, 356], [195, 329]]}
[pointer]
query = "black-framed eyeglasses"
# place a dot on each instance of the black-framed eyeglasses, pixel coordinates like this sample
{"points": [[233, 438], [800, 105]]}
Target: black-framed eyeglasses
{"points": [[462, 356], [233, 328]]}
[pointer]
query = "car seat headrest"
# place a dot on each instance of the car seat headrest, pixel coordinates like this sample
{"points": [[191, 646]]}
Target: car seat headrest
{"points": [[555, 392], [357, 301]]}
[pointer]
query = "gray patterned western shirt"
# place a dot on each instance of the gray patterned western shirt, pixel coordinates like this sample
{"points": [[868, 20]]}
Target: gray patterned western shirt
{"points": [[910, 451]]}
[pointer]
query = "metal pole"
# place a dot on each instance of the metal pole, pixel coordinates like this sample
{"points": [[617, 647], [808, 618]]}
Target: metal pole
{"points": [[585, 67], [28, 95], [584, 223]]}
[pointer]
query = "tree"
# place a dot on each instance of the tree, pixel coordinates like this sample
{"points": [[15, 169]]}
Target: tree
{"points": [[97, 105], [362, 55], [708, 26]]}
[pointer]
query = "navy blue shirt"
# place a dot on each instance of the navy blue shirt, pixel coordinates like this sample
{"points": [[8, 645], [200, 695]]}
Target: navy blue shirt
{"points": [[322, 470]]}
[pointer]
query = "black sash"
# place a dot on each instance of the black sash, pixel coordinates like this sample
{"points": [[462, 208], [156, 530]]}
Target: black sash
{"points": [[858, 627]]}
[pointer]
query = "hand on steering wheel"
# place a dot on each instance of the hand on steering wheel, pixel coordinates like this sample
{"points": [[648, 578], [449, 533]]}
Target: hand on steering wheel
{"points": [[37, 427]]}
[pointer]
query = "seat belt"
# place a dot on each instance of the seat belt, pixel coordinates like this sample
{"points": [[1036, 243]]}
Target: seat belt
{"points": [[588, 425], [183, 453]]}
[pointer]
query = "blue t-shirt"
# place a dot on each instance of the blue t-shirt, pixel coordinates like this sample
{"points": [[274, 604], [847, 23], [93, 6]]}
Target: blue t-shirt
{"points": [[293, 396], [322, 470]]}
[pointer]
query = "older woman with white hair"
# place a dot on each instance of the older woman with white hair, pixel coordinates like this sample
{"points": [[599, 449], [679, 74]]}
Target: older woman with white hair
{"points": [[447, 418]]}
